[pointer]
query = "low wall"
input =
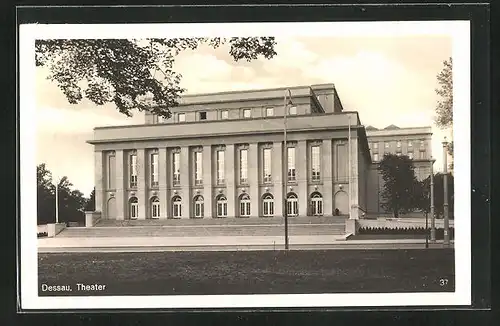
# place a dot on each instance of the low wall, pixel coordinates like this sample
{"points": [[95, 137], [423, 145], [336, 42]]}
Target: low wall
{"points": [[401, 223], [91, 218], [54, 229]]}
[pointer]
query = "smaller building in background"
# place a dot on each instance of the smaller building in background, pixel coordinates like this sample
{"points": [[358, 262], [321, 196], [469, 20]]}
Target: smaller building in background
{"points": [[414, 142]]}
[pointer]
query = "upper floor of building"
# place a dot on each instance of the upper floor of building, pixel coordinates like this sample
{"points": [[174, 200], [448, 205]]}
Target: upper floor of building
{"points": [[415, 142], [244, 105]]}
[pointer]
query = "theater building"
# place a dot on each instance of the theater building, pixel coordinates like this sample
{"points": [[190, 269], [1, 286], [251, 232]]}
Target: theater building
{"points": [[221, 155]]}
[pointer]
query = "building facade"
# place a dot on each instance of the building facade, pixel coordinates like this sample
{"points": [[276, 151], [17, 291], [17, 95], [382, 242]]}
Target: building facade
{"points": [[222, 155]]}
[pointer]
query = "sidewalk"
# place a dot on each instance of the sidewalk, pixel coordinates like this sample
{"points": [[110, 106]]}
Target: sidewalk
{"points": [[220, 243]]}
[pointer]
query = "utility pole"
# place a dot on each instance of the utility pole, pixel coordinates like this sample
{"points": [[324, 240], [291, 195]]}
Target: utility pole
{"points": [[445, 190], [285, 165], [57, 201], [433, 222]]}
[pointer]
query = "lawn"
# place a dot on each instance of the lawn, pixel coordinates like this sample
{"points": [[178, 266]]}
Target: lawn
{"points": [[251, 272]]}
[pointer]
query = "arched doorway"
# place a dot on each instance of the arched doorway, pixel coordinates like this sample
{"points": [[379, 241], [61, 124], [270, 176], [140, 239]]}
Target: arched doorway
{"points": [[244, 205], [199, 206], [316, 204], [221, 206], [268, 205], [342, 202], [292, 204], [155, 207], [177, 207], [133, 208], [111, 209]]}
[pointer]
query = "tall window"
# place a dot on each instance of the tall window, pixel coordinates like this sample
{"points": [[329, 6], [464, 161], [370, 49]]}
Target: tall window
{"points": [[133, 171], [155, 207], [176, 207], [375, 145], [292, 110], [268, 205], [176, 166], [422, 144], [243, 166], [316, 204], [221, 206], [315, 163], [154, 170], [398, 144], [375, 157], [247, 113], [220, 167], [198, 207], [386, 144], [224, 114], [410, 155], [267, 165], [111, 172], [133, 208], [269, 112], [202, 115], [244, 205], [198, 166], [410, 143], [291, 164], [181, 117], [292, 205]]}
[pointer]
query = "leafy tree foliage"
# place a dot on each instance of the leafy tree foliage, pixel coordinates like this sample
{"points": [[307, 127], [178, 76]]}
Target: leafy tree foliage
{"points": [[438, 194], [444, 108], [132, 74], [71, 201], [399, 184], [90, 203]]}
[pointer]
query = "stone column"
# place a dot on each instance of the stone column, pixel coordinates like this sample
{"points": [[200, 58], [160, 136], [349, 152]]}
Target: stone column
{"points": [[253, 178], [121, 186], [142, 192], [327, 176], [301, 158], [162, 182], [230, 168], [277, 177], [99, 178], [185, 161], [207, 181]]}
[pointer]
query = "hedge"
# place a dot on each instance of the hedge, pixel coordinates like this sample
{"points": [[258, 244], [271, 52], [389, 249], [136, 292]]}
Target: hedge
{"points": [[410, 230]]}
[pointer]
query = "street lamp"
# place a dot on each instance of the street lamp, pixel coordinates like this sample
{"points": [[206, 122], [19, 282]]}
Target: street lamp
{"points": [[433, 222], [287, 101], [57, 200], [445, 190]]}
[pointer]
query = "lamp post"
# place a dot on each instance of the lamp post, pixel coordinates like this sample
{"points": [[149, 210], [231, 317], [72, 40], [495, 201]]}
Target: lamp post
{"points": [[287, 100], [349, 165], [433, 221], [446, 239], [57, 201]]}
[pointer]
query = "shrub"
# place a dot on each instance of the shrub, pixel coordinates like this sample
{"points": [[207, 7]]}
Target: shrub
{"points": [[41, 234]]}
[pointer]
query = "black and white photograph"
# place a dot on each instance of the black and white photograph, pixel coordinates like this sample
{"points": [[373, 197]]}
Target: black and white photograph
{"points": [[245, 165]]}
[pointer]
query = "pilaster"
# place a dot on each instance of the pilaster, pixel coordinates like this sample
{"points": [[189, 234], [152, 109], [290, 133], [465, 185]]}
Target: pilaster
{"points": [[207, 181], [163, 182], [120, 195], [327, 177], [302, 176], [230, 168], [253, 177], [277, 177], [186, 169], [353, 183], [141, 184], [99, 178]]}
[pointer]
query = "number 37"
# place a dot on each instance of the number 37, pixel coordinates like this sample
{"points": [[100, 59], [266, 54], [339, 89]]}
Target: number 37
{"points": [[443, 281]]}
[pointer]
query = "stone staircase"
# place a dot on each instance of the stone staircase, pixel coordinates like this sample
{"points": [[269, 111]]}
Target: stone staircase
{"points": [[200, 228]]}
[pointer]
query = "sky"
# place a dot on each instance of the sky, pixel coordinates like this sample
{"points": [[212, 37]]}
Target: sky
{"points": [[388, 80]]}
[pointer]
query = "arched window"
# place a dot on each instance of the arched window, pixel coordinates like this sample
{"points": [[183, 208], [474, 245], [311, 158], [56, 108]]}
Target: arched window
{"points": [[133, 208], [221, 206], [316, 204], [292, 205], [268, 205], [244, 205], [155, 207], [176, 207], [198, 207]]}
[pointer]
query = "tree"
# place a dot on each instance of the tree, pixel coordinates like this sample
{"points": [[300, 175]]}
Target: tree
{"points": [[71, 202], [399, 183], [90, 202], [132, 74], [444, 108], [439, 193]]}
